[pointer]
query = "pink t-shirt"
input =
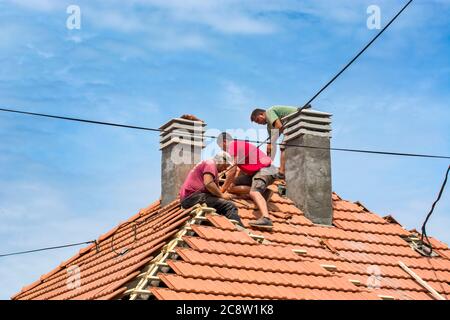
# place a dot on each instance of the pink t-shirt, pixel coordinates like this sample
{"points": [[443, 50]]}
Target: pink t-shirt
{"points": [[194, 181], [248, 157]]}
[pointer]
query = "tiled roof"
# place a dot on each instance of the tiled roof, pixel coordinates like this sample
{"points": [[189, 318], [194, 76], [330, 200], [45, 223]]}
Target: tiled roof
{"points": [[357, 258]]}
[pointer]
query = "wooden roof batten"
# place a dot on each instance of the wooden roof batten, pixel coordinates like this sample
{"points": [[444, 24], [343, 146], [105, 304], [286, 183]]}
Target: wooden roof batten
{"points": [[138, 288]]}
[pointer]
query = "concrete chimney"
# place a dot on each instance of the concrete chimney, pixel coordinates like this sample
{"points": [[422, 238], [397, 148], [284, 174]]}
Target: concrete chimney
{"points": [[308, 170], [181, 144]]}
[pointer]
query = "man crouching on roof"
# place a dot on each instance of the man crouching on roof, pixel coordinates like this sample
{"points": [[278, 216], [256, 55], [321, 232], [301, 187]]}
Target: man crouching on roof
{"points": [[256, 173], [202, 186]]}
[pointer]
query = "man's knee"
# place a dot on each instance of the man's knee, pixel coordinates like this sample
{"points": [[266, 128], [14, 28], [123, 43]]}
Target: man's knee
{"points": [[229, 206], [228, 209], [220, 204]]}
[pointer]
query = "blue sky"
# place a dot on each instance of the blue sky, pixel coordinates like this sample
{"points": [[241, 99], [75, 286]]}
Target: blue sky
{"points": [[143, 62]]}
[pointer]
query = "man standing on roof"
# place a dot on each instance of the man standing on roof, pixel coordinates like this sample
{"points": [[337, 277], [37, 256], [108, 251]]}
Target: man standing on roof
{"points": [[273, 118], [255, 175], [202, 186]]}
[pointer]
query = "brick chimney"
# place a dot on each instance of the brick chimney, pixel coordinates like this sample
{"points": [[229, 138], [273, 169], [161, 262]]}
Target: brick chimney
{"points": [[308, 170], [181, 144]]}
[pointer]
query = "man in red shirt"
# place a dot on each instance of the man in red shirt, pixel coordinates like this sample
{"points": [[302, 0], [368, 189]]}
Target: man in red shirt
{"points": [[256, 173], [201, 186]]}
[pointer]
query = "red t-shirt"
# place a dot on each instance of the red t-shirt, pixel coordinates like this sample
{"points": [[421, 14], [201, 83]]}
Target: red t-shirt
{"points": [[194, 181], [248, 157]]}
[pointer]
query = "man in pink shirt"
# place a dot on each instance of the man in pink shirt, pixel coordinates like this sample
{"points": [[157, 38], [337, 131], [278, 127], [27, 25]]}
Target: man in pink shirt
{"points": [[256, 174], [201, 186]]}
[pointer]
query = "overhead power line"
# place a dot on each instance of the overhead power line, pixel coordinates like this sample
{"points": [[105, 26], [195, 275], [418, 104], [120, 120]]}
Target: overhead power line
{"points": [[390, 153], [80, 120], [358, 54], [46, 249], [424, 231]]}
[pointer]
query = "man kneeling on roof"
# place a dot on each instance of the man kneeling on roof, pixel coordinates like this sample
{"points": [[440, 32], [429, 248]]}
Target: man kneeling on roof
{"points": [[202, 186], [256, 173]]}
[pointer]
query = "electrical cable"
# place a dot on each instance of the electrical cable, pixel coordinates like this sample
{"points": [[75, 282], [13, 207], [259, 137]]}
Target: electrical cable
{"points": [[48, 248], [380, 152], [424, 231], [359, 53]]}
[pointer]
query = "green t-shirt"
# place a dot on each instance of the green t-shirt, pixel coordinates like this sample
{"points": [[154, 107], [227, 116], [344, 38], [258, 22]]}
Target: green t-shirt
{"points": [[278, 112]]}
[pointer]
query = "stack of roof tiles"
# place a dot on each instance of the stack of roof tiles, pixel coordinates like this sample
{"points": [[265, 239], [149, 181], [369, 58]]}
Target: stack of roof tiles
{"points": [[357, 258]]}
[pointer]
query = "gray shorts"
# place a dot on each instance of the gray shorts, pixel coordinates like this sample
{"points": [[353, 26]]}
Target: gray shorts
{"points": [[257, 182]]}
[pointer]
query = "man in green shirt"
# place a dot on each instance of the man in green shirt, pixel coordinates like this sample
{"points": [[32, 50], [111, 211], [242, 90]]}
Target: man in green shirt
{"points": [[273, 118]]}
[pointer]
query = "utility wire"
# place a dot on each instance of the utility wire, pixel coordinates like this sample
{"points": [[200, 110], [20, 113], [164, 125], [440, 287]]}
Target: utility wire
{"points": [[380, 152], [46, 249], [103, 123], [359, 53], [389, 153], [424, 231]]}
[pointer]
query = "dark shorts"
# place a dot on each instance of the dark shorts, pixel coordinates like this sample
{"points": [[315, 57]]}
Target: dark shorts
{"points": [[257, 182]]}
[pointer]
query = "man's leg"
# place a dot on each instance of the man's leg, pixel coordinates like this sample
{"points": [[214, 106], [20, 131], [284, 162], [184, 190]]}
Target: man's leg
{"points": [[282, 169], [239, 189], [224, 207], [192, 200], [261, 203], [258, 188], [241, 184]]}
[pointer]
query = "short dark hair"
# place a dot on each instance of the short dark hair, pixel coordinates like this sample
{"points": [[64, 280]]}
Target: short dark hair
{"points": [[224, 136], [256, 113]]}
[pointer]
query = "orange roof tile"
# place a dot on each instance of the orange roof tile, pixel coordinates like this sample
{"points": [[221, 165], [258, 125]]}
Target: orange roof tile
{"points": [[296, 260]]}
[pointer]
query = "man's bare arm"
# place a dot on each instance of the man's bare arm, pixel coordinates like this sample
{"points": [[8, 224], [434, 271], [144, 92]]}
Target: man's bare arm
{"points": [[229, 179], [269, 149], [278, 125], [211, 186], [276, 132]]}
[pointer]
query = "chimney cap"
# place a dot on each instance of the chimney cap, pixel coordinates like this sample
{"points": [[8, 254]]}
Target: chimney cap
{"points": [[308, 121], [182, 131], [183, 121]]}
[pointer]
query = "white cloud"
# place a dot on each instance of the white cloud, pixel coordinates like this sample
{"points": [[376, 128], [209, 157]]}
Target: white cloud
{"points": [[39, 5], [41, 53], [179, 41], [10, 35], [236, 97], [116, 20]]}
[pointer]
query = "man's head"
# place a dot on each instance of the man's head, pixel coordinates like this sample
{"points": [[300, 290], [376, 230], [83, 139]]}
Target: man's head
{"points": [[259, 116], [223, 140], [223, 160]]}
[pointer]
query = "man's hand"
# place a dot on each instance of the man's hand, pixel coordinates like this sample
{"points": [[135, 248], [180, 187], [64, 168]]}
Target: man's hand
{"points": [[269, 149], [227, 196], [190, 117], [231, 174]]}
